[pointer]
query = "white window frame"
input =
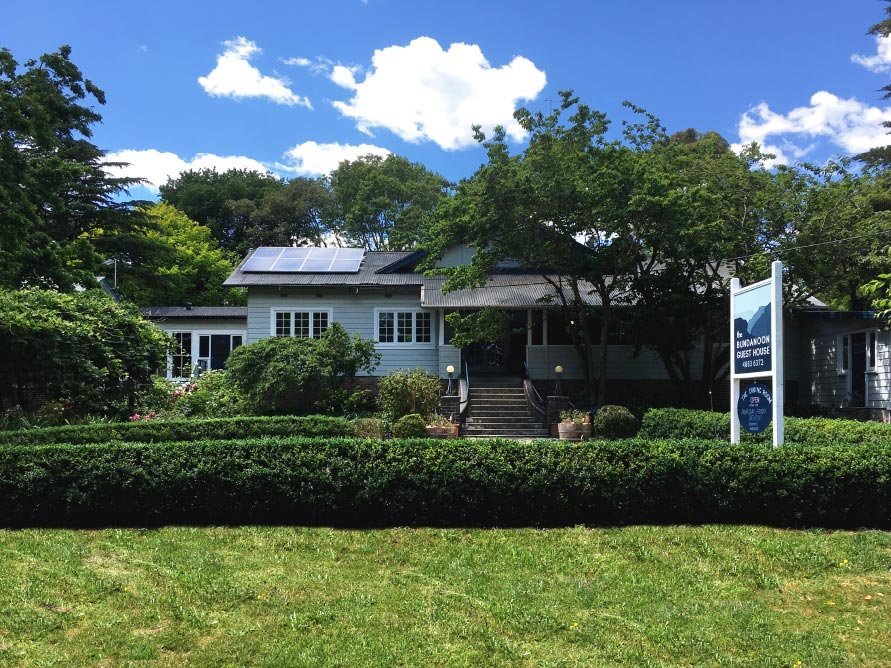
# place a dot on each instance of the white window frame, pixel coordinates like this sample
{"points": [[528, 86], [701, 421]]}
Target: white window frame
{"points": [[395, 310], [843, 354], [300, 309], [196, 349], [872, 352]]}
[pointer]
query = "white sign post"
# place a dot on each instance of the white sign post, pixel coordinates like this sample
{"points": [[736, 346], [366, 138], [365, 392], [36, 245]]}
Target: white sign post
{"points": [[756, 347]]}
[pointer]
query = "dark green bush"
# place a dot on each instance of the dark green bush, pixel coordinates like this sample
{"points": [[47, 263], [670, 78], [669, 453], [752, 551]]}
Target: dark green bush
{"points": [[362, 482], [156, 431], [410, 426], [614, 422], [405, 392], [686, 423]]}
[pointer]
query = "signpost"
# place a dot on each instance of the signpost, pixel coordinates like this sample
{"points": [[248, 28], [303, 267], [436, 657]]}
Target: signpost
{"points": [[756, 340]]}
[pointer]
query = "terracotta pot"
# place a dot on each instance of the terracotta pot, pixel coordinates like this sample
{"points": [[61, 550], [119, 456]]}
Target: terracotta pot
{"points": [[443, 432], [571, 431]]}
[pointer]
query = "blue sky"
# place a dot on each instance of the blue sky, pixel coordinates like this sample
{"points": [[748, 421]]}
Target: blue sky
{"points": [[295, 86]]}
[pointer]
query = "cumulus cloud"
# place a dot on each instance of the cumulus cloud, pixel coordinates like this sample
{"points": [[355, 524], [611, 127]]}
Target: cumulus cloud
{"points": [[421, 92], [235, 77], [880, 62], [157, 166], [313, 159], [851, 125]]}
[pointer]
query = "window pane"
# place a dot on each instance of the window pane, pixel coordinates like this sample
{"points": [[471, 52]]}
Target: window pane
{"points": [[871, 350], [203, 346], [385, 327], [283, 324], [236, 341], [845, 343], [182, 355], [319, 324], [301, 325], [422, 327], [403, 327]]}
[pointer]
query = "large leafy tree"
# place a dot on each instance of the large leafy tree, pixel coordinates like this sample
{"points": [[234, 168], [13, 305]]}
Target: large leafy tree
{"points": [[383, 203], [175, 261], [54, 190]]}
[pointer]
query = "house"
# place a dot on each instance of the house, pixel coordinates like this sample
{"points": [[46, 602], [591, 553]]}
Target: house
{"points": [[833, 360]]}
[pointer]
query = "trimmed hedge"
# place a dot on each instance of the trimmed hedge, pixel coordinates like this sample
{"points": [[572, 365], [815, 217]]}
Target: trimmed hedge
{"points": [[686, 423], [157, 431], [361, 482]]}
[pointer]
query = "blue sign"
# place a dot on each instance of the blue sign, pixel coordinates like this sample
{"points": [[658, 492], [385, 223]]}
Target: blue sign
{"points": [[752, 345], [754, 408]]}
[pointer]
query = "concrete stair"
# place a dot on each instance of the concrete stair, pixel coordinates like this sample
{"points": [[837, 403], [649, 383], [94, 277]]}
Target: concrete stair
{"points": [[498, 407]]}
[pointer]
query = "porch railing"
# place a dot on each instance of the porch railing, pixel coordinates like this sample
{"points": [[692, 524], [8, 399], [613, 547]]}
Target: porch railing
{"points": [[533, 398], [464, 393]]}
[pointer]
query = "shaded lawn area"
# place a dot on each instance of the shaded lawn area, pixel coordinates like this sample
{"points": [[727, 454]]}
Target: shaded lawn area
{"points": [[280, 596]]}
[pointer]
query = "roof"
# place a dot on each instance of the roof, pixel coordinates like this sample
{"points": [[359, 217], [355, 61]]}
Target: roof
{"points": [[377, 268], [197, 312], [508, 290]]}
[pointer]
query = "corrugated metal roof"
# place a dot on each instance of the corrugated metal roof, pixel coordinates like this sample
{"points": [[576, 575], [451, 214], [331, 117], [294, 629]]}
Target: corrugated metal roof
{"points": [[370, 273], [194, 312], [501, 290]]}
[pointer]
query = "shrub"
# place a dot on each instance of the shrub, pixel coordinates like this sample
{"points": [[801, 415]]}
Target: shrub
{"points": [[82, 350], [686, 423], [362, 482], [575, 415], [360, 402], [410, 426], [614, 422], [154, 431], [405, 392], [367, 427], [212, 394], [274, 373]]}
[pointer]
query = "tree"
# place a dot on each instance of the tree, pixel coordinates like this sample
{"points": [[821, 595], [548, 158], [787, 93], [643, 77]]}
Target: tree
{"points": [[176, 261], [383, 203], [222, 201], [881, 155], [80, 349], [295, 213], [54, 190]]}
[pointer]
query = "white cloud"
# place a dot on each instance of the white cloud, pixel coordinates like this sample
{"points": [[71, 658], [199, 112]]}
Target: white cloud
{"points": [[318, 65], [849, 124], [235, 77], [157, 166], [881, 61], [422, 92], [313, 159]]}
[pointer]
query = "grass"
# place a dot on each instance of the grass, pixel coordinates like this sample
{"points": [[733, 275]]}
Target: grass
{"points": [[634, 596]]}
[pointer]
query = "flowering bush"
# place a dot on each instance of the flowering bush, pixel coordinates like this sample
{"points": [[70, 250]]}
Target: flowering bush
{"points": [[142, 417]]}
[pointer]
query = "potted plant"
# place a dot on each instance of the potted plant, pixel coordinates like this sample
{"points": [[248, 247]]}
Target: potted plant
{"points": [[439, 426], [574, 425]]}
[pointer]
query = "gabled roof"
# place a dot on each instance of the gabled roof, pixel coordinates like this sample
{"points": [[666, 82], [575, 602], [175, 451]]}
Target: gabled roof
{"points": [[377, 268]]}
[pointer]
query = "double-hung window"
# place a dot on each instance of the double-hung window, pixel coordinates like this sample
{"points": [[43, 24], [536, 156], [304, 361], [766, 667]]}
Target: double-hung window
{"points": [[302, 324], [181, 355], [843, 353], [872, 350], [403, 326]]}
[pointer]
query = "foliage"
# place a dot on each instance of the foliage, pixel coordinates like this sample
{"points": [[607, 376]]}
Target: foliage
{"points": [[879, 291], [360, 402], [181, 430], [368, 427], [274, 373], [410, 426], [685, 423], [624, 597], [83, 350], [574, 415], [405, 392], [490, 482], [614, 422], [54, 190], [213, 394], [181, 263], [383, 203]]}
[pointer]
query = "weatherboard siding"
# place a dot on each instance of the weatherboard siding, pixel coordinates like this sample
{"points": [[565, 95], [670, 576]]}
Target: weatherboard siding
{"points": [[621, 363], [356, 312]]}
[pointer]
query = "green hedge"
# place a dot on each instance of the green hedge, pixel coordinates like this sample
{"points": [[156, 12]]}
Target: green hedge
{"points": [[156, 431], [362, 482], [685, 423]]}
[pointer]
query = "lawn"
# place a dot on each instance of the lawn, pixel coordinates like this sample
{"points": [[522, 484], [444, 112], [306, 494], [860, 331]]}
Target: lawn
{"points": [[278, 596]]}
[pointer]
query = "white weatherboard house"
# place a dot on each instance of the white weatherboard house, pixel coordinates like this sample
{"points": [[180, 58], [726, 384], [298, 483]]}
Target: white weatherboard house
{"points": [[833, 359]]}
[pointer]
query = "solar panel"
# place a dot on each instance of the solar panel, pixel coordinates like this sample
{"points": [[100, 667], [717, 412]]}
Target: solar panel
{"points": [[305, 260]]}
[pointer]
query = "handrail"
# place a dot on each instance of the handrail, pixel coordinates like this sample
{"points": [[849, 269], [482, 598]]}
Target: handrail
{"points": [[533, 398], [464, 392]]}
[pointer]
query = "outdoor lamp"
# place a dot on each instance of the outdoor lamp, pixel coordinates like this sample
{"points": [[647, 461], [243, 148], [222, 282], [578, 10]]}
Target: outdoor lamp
{"points": [[450, 370], [557, 370]]}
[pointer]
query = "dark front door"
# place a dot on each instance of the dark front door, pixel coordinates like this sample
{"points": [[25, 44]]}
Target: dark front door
{"points": [[220, 347], [504, 357], [858, 370]]}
